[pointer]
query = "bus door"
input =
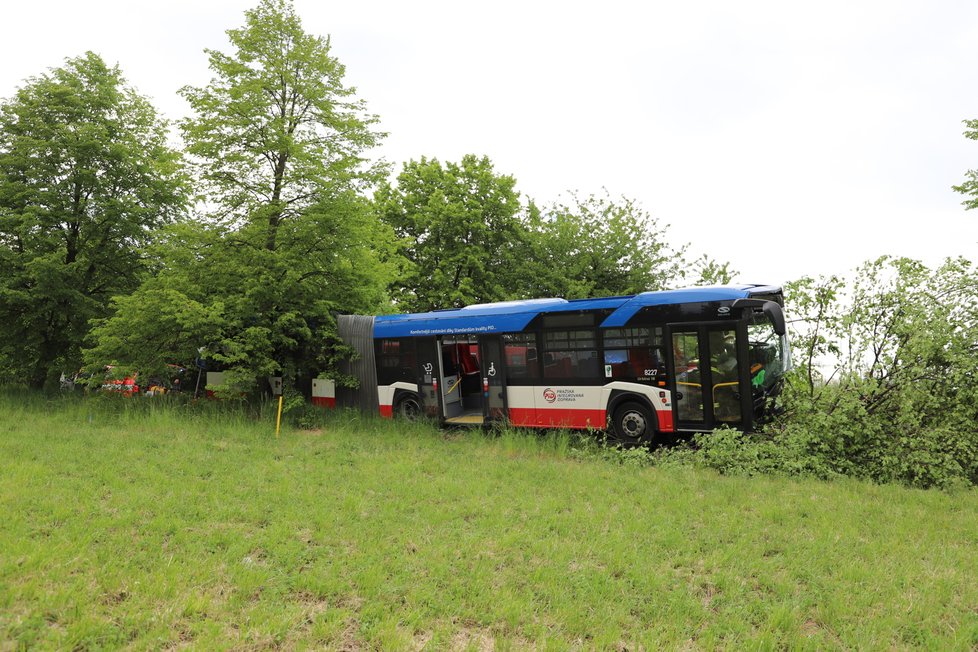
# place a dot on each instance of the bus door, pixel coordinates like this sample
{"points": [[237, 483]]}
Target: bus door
{"points": [[493, 379], [708, 373], [460, 381]]}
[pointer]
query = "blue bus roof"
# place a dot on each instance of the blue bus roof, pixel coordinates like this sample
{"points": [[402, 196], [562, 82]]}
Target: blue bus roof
{"points": [[513, 316]]}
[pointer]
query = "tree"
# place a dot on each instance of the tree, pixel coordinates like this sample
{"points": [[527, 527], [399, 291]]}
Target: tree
{"points": [[597, 246], [287, 239], [885, 386], [85, 179], [707, 271], [276, 134], [462, 232], [467, 238], [970, 185]]}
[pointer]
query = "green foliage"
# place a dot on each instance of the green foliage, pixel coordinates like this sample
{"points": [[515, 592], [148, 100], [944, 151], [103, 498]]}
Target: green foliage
{"points": [[256, 311], [598, 246], [970, 185], [467, 239], [884, 386], [732, 452], [707, 271], [85, 178], [816, 324], [287, 240], [276, 134], [461, 230], [592, 449], [154, 327]]}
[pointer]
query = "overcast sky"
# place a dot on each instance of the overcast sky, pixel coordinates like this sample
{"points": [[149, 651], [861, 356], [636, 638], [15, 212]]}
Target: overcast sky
{"points": [[788, 138]]}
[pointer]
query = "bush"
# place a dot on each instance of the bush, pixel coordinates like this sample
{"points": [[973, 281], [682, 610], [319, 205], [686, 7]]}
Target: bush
{"points": [[886, 366]]}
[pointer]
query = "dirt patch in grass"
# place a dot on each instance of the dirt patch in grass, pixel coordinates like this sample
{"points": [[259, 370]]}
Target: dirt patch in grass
{"points": [[473, 637]]}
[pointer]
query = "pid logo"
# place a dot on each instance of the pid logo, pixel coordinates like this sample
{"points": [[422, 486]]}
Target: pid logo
{"points": [[549, 395]]}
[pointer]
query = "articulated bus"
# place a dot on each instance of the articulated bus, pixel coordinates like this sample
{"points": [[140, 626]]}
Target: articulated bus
{"points": [[672, 361]]}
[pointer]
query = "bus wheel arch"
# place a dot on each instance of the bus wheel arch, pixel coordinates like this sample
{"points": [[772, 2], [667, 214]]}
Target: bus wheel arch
{"points": [[407, 405], [633, 420]]}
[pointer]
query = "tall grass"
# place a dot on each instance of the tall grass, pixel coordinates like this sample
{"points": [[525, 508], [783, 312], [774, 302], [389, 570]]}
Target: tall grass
{"points": [[148, 525]]}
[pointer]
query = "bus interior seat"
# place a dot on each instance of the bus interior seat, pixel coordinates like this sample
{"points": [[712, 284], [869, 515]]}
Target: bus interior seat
{"points": [[589, 366], [468, 362], [554, 367]]}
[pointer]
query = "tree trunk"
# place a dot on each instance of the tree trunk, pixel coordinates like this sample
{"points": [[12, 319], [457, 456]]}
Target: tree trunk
{"points": [[39, 372], [275, 216]]}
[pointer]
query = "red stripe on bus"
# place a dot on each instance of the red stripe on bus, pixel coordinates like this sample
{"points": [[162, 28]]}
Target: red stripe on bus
{"points": [[324, 401], [522, 417], [387, 411], [581, 419], [558, 418]]}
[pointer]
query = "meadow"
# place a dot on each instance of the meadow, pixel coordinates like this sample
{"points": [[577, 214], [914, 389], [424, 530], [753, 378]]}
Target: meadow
{"points": [[146, 525]]}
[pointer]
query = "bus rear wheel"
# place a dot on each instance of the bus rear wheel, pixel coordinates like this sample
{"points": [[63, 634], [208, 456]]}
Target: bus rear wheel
{"points": [[409, 408], [632, 424]]}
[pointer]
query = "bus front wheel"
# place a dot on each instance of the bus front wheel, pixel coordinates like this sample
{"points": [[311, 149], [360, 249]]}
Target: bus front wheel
{"points": [[632, 424]]}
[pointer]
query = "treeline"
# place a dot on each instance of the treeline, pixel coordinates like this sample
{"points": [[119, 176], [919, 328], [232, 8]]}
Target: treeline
{"points": [[272, 217], [118, 249]]}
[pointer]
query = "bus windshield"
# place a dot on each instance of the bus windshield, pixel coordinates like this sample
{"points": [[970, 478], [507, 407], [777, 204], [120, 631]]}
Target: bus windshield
{"points": [[769, 354]]}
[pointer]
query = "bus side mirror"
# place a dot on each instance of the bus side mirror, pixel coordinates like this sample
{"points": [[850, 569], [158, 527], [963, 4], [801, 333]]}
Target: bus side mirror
{"points": [[774, 312], [770, 308]]}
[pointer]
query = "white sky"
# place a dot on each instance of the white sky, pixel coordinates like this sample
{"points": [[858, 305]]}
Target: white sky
{"points": [[790, 139]]}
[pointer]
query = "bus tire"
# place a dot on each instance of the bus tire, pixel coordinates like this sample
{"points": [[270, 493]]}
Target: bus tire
{"points": [[632, 424], [408, 407]]}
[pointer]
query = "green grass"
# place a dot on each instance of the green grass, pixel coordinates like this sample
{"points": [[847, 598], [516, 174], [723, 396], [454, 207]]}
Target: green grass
{"points": [[144, 526]]}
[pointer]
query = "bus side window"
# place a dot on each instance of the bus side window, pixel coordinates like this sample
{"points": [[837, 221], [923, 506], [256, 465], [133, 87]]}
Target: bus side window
{"points": [[396, 360], [520, 353], [571, 354], [634, 353]]}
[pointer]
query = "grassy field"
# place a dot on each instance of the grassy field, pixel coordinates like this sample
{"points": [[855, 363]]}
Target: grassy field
{"points": [[153, 528]]}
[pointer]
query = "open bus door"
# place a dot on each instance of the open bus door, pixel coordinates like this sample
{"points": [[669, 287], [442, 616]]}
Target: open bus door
{"points": [[460, 385], [710, 376]]}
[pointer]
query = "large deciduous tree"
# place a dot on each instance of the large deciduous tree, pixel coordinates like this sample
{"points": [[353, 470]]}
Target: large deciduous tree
{"points": [[86, 177], [276, 135], [597, 246], [601, 246], [287, 238], [462, 232], [468, 238]]}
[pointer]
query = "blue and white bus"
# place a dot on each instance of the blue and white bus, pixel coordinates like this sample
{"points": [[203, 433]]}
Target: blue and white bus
{"points": [[672, 361]]}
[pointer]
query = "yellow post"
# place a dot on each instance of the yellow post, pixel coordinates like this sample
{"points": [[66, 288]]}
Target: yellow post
{"points": [[278, 419]]}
